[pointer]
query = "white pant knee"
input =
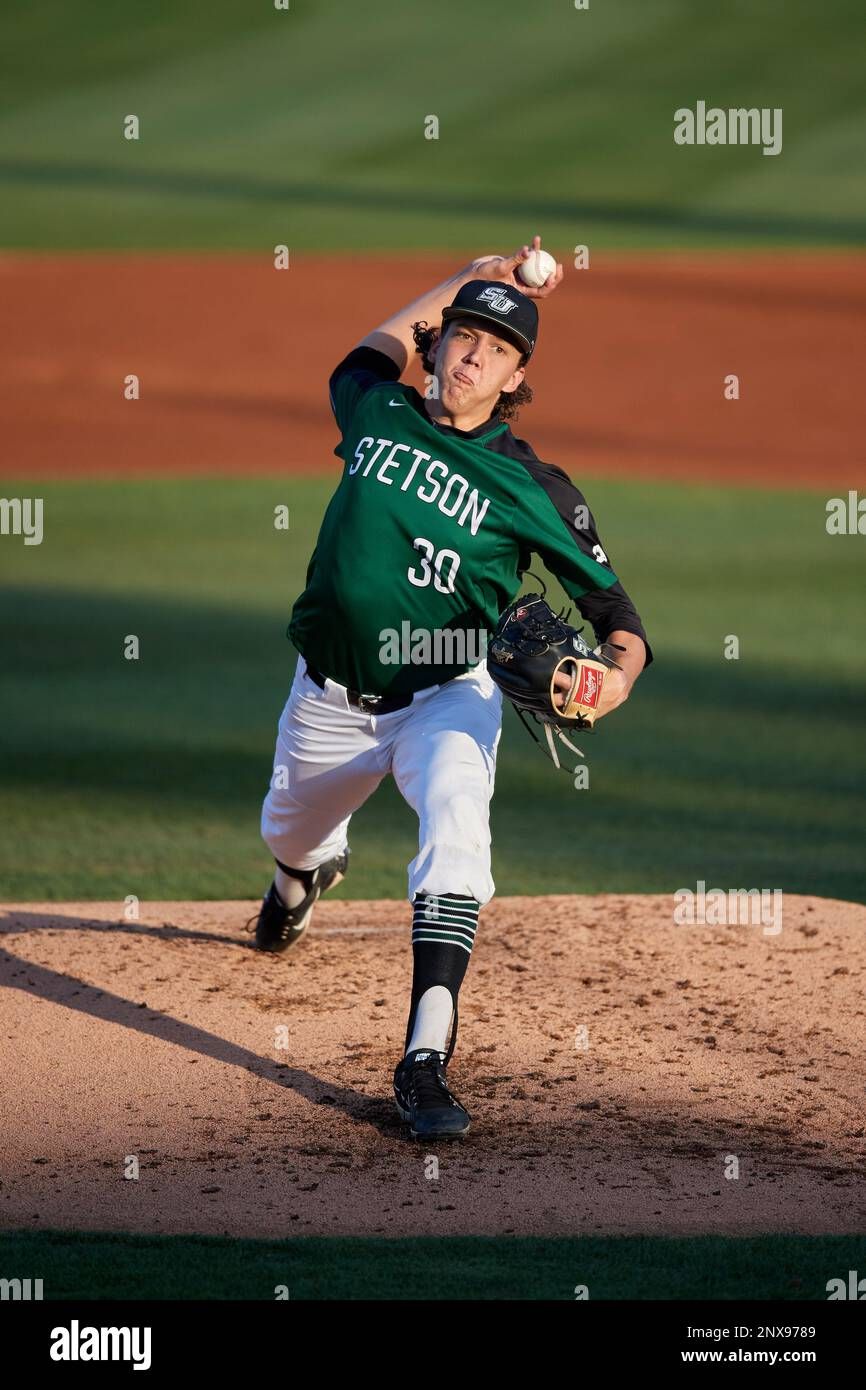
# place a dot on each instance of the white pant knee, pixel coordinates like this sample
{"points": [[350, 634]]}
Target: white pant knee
{"points": [[289, 831], [454, 847]]}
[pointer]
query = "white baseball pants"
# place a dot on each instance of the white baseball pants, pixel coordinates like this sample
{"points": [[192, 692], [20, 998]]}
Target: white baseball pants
{"points": [[441, 751]]}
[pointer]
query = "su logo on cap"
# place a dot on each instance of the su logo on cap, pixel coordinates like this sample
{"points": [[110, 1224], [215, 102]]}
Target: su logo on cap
{"points": [[497, 300]]}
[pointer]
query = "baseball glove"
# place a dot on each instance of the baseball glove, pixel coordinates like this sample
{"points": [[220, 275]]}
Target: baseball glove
{"points": [[530, 645]]}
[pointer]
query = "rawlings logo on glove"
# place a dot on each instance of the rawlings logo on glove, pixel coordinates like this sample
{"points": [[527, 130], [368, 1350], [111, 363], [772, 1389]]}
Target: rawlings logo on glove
{"points": [[589, 686]]}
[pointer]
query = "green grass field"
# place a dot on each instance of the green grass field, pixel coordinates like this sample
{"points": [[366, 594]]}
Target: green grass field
{"points": [[306, 126], [75, 1266], [146, 776]]}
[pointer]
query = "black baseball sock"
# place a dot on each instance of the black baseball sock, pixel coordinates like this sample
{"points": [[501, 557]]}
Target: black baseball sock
{"points": [[443, 934]]}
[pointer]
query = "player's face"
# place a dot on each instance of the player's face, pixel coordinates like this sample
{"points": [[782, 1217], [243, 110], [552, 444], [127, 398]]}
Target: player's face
{"points": [[473, 366]]}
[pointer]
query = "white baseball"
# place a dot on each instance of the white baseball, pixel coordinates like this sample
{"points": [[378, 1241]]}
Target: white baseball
{"points": [[537, 267]]}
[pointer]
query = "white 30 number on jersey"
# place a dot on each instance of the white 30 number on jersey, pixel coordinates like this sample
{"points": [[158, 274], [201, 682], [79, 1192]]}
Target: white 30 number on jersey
{"points": [[423, 573]]}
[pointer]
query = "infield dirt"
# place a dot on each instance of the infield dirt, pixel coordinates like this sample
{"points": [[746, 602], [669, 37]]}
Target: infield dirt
{"points": [[233, 358], [160, 1039]]}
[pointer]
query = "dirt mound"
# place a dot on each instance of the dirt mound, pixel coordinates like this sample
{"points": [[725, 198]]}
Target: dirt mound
{"points": [[614, 1065]]}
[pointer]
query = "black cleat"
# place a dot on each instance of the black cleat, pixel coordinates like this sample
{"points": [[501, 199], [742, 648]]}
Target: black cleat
{"points": [[278, 927], [423, 1098]]}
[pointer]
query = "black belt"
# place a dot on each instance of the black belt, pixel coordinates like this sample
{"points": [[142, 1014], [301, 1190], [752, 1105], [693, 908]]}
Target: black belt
{"points": [[367, 704]]}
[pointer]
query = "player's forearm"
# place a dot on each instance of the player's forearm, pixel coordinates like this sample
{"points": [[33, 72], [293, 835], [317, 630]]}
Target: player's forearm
{"points": [[394, 336], [632, 660]]}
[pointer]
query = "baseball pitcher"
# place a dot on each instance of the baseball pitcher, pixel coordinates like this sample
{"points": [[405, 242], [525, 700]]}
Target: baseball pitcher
{"points": [[424, 543]]}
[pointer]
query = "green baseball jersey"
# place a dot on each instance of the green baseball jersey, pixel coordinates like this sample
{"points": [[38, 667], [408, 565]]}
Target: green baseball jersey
{"points": [[427, 536]]}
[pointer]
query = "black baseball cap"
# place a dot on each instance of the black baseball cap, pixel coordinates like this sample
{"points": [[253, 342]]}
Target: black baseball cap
{"points": [[492, 301]]}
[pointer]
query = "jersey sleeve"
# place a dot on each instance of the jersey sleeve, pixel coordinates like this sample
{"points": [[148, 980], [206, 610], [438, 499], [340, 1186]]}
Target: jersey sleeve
{"points": [[561, 530], [356, 374]]}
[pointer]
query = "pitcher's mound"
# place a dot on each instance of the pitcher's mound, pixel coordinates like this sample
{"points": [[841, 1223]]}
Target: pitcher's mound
{"points": [[624, 1074]]}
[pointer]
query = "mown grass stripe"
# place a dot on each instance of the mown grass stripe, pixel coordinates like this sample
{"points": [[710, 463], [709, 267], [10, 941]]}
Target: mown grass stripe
{"points": [[96, 1265]]}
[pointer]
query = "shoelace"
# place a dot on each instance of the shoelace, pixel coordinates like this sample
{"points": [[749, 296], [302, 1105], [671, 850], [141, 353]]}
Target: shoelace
{"points": [[252, 923], [429, 1084], [284, 933]]}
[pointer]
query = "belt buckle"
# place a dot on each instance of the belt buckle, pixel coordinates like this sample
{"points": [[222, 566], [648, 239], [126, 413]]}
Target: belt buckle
{"points": [[368, 704]]}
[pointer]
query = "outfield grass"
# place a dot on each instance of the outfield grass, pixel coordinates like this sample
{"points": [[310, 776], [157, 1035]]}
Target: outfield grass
{"points": [[146, 776], [74, 1266], [306, 126]]}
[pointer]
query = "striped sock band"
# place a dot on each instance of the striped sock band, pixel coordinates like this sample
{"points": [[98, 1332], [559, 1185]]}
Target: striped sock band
{"points": [[443, 933], [444, 919]]}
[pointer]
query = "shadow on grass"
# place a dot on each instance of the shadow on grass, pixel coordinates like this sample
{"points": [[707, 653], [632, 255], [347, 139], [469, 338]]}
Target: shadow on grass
{"points": [[245, 188], [712, 768], [112, 1265]]}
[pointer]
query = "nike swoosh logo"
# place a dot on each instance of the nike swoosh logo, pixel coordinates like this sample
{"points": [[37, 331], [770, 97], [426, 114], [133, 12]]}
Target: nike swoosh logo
{"points": [[393, 402]]}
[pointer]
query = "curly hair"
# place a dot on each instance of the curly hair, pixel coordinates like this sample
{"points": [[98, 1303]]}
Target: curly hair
{"points": [[510, 402]]}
